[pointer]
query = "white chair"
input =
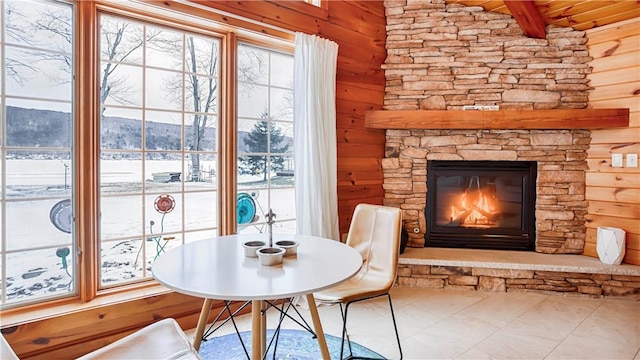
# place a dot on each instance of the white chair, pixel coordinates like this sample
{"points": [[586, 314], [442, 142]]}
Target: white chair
{"points": [[375, 232], [6, 352], [161, 340]]}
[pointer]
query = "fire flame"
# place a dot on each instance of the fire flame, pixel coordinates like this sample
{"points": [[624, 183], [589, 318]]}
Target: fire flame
{"points": [[474, 209]]}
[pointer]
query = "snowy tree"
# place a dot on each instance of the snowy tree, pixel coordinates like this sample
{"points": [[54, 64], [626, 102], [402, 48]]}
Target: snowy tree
{"points": [[264, 137]]}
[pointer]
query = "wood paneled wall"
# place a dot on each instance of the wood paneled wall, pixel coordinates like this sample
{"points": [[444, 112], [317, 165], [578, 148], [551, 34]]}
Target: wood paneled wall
{"points": [[358, 27], [78, 332], [614, 193]]}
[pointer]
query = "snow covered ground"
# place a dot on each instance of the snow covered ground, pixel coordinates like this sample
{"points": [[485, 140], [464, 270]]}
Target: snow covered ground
{"points": [[35, 248]]}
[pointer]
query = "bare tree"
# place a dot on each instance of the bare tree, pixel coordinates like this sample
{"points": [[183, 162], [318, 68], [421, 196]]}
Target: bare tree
{"points": [[200, 85], [121, 42], [201, 58], [16, 32], [202, 95]]}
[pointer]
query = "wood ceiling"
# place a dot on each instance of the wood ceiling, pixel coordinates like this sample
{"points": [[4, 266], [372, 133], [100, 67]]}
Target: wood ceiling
{"points": [[534, 15]]}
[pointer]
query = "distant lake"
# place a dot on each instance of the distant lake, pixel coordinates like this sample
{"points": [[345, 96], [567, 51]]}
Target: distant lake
{"points": [[44, 180]]}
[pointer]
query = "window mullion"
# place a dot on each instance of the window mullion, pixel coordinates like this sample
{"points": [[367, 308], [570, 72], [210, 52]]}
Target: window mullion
{"points": [[228, 138], [86, 144]]}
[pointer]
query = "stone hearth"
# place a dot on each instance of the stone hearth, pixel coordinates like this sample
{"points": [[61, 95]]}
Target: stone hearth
{"points": [[516, 271]]}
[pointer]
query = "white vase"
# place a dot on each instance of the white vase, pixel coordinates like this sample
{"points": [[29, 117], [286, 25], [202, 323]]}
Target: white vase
{"points": [[610, 245]]}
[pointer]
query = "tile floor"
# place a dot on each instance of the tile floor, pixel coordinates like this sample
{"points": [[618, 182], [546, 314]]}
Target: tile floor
{"points": [[456, 324]]}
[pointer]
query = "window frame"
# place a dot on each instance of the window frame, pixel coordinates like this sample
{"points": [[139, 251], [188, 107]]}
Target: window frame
{"points": [[320, 11], [182, 189], [86, 138], [19, 45], [271, 121]]}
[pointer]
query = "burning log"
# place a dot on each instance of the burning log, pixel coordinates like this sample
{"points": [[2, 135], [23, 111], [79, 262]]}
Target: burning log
{"points": [[460, 217], [489, 215]]}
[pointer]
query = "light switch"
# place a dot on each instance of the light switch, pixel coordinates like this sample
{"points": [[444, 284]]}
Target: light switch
{"points": [[632, 160], [616, 160]]}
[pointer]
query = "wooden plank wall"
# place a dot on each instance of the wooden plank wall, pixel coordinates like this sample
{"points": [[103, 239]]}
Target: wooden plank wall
{"points": [[359, 29], [78, 332], [614, 193]]}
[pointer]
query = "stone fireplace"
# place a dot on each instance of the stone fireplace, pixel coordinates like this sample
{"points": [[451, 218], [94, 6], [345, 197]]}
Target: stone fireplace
{"points": [[447, 56], [560, 156]]}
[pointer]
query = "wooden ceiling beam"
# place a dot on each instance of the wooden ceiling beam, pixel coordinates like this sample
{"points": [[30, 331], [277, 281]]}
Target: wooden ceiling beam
{"points": [[528, 17]]}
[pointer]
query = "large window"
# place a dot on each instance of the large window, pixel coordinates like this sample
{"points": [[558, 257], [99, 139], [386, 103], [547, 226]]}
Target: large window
{"points": [[159, 102], [265, 139], [37, 142], [156, 132]]}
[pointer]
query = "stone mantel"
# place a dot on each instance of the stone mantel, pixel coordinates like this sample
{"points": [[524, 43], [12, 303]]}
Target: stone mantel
{"points": [[512, 119]]}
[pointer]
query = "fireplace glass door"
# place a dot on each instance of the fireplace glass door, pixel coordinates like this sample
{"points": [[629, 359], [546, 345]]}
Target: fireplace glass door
{"points": [[481, 204]]}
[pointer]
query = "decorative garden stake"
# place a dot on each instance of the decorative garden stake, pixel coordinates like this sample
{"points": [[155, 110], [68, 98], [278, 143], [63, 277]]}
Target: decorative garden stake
{"points": [[270, 255], [270, 220]]}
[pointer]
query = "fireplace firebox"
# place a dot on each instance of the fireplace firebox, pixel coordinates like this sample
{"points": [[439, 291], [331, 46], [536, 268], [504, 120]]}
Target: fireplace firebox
{"points": [[481, 204]]}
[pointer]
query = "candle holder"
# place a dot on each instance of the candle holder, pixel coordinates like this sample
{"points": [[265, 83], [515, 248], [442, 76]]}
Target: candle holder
{"points": [[290, 247], [270, 255], [251, 247]]}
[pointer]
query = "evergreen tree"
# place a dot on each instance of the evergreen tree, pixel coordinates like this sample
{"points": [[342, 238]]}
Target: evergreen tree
{"points": [[257, 141]]}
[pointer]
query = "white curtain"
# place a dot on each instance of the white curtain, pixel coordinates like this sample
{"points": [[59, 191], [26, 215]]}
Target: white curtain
{"points": [[314, 104]]}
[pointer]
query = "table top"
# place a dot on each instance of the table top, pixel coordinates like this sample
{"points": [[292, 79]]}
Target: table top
{"points": [[217, 268]]}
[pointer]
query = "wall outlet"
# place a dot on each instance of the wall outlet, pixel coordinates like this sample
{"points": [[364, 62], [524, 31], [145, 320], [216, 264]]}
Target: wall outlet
{"points": [[616, 160], [632, 160]]}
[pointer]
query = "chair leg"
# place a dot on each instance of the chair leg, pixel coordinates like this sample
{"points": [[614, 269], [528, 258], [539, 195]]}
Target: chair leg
{"points": [[346, 335], [395, 327], [344, 331]]}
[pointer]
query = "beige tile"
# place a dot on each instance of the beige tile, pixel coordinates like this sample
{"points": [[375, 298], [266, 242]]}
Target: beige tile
{"points": [[578, 347], [453, 324], [414, 349], [445, 302], [501, 308], [512, 345], [555, 317], [412, 320], [456, 335], [612, 321], [475, 353]]}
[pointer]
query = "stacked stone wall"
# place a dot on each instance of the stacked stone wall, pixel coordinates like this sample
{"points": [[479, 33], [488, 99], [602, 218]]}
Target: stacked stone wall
{"points": [[509, 280], [444, 56]]}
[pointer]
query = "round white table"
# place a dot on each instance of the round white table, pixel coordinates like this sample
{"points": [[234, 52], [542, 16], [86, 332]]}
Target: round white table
{"points": [[217, 269]]}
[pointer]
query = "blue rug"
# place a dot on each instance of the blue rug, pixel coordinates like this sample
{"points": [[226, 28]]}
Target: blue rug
{"points": [[292, 344]]}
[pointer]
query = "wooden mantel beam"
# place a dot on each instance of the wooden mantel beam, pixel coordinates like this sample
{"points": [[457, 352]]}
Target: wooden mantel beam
{"points": [[501, 119], [528, 17]]}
